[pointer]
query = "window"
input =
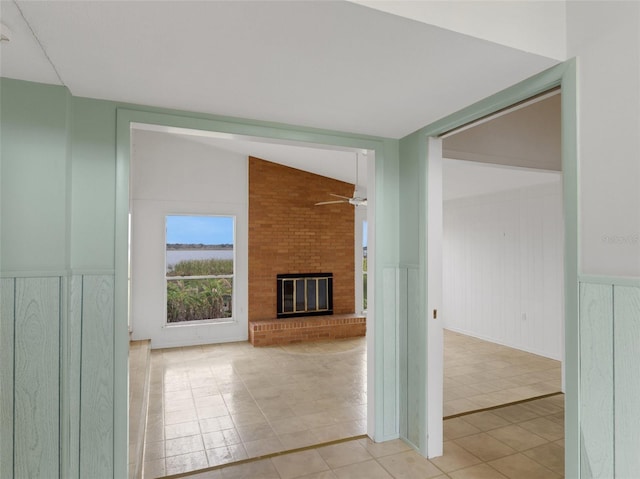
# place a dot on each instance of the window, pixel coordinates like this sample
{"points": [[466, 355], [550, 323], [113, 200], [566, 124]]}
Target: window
{"points": [[200, 268]]}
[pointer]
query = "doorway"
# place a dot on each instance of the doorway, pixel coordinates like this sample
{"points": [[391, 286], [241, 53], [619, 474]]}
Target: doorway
{"points": [[425, 358], [505, 240], [257, 402], [503, 254]]}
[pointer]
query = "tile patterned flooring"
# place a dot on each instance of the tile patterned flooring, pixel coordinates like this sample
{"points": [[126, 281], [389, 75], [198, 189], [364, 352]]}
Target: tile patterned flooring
{"points": [[479, 374], [216, 404], [523, 441]]}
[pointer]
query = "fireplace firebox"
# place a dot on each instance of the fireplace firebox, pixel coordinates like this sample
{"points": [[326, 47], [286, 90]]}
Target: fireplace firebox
{"points": [[306, 294]]}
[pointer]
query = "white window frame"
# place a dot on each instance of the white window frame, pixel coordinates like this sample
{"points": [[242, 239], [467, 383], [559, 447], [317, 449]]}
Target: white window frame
{"points": [[230, 319]]}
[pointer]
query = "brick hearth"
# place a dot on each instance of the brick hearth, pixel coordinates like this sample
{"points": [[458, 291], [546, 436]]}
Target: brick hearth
{"points": [[269, 332]]}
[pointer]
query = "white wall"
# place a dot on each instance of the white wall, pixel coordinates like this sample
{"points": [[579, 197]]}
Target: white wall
{"points": [[175, 175], [503, 268], [532, 26], [605, 36]]}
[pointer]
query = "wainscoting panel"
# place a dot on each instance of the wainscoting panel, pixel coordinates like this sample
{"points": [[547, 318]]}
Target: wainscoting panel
{"points": [[609, 379], [596, 385], [70, 460], [403, 362], [37, 365], [627, 381], [390, 359], [416, 341], [96, 427], [7, 318]]}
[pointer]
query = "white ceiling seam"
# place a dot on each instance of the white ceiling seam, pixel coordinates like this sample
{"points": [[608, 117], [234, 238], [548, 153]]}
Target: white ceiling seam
{"points": [[23, 58], [35, 36]]}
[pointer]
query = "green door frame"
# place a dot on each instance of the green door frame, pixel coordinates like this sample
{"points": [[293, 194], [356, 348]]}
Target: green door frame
{"points": [[382, 413], [564, 76]]}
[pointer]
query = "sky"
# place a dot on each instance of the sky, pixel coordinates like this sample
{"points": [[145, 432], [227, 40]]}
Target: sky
{"points": [[364, 233], [188, 229]]}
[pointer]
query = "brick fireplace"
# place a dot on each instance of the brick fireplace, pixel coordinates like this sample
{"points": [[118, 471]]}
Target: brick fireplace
{"points": [[289, 235]]}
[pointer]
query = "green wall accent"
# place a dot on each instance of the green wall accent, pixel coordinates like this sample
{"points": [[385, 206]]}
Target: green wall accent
{"points": [[64, 217], [36, 364], [31, 311], [34, 128], [97, 379], [596, 385], [626, 312], [93, 182], [7, 327], [413, 327], [609, 379], [413, 151]]}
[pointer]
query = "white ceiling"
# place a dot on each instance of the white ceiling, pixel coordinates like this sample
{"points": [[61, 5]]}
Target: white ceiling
{"points": [[461, 179], [339, 164], [333, 65], [537, 26], [529, 137], [324, 64]]}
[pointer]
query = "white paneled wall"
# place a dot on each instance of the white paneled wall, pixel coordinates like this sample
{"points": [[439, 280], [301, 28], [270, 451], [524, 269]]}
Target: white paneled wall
{"points": [[174, 175], [503, 268]]}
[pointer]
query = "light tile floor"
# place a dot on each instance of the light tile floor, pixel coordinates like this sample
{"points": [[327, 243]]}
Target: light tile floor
{"points": [[479, 374], [211, 405], [523, 441], [138, 360], [217, 404]]}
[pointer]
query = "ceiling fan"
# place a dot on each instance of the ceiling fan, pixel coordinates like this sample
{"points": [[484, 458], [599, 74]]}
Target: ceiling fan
{"points": [[355, 200]]}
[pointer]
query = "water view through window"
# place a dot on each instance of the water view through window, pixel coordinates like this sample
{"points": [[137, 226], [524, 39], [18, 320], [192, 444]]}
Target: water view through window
{"points": [[199, 267]]}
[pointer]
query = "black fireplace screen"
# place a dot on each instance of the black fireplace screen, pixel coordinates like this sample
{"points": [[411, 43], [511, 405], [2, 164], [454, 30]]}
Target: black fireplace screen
{"points": [[308, 294]]}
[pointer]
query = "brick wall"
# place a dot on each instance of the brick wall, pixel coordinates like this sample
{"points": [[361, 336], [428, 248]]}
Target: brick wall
{"points": [[288, 234]]}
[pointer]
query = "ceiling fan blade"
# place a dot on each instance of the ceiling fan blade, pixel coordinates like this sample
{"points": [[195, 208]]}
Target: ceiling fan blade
{"points": [[331, 202], [340, 196]]}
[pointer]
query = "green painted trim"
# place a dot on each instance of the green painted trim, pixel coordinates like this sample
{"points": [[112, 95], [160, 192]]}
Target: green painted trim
{"points": [[121, 302], [569, 102], [414, 356], [125, 116], [563, 75], [610, 280], [68, 369], [535, 85], [255, 130]]}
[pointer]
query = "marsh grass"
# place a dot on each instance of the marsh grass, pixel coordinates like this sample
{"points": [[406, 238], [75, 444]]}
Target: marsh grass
{"points": [[198, 299], [201, 267]]}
